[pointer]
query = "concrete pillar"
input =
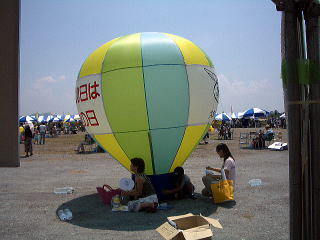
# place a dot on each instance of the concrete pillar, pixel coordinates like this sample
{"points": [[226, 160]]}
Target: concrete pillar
{"points": [[9, 80]]}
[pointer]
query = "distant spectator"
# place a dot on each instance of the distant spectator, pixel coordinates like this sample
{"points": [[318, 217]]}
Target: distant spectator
{"points": [[88, 140], [268, 132], [21, 131], [42, 130], [28, 141], [205, 137], [259, 141], [36, 135]]}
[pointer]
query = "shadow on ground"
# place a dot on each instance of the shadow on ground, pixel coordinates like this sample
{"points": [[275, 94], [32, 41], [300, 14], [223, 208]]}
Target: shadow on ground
{"points": [[89, 212]]}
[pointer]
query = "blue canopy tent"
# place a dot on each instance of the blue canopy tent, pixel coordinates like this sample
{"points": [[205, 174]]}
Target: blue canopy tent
{"points": [[222, 117], [255, 113], [41, 119], [24, 119]]}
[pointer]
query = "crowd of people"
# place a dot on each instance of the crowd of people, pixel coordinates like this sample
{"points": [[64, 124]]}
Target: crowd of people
{"points": [[143, 196], [37, 133], [252, 123], [259, 140], [225, 131]]}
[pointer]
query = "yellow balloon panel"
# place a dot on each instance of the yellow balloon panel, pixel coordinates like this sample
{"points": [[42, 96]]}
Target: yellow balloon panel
{"points": [[93, 63], [110, 144], [188, 144], [137, 144], [192, 54]]}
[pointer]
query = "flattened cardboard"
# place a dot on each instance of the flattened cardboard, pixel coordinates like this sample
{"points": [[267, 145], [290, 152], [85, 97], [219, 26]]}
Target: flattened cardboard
{"points": [[215, 223]]}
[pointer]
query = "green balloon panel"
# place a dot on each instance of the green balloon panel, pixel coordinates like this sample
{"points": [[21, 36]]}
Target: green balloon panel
{"points": [[124, 100], [167, 95]]}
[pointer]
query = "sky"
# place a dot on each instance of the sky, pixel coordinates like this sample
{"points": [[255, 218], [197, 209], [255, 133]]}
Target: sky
{"points": [[242, 38]]}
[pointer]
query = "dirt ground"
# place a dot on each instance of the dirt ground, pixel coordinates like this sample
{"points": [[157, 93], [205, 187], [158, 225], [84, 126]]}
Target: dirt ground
{"points": [[29, 205]]}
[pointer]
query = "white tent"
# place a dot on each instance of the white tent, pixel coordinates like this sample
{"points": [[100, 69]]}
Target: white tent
{"points": [[283, 115], [66, 117], [76, 117], [234, 116], [240, 115]]}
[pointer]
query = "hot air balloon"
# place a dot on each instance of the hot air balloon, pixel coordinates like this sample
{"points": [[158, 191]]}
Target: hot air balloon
{"points": [[149, 95]]}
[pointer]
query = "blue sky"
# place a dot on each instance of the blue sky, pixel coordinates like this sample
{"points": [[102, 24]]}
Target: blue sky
{"points": [[242, 38]]}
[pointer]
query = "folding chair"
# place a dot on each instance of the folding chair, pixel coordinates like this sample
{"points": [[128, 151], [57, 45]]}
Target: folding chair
{"points": [[244, 140]]}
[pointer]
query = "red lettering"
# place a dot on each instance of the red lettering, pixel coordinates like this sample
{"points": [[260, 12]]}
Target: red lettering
{"points": [[83, 93], [94, 93], [87, 92], [91, 116], [84, 119]]}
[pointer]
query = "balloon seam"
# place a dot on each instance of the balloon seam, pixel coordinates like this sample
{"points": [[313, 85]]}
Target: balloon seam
{"points": [[145, 97], [151, 65], [184, 132], [188, 125], [102, 95]]}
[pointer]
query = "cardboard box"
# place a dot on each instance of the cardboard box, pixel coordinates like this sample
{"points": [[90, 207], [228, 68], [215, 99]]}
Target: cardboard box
{"points": [[188, 227]]}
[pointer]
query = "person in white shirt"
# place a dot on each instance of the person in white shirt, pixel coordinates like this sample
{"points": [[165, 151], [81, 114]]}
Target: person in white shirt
{"points": [[228, 166], [42, 130]]}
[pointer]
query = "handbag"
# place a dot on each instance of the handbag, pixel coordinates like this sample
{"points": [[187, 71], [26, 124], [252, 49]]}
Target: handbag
{"points": [[106, 193], [223, 190]]}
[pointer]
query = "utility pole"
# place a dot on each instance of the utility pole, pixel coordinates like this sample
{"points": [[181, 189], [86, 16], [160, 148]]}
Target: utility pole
{"points": [[9, 91], [312, 13], [301, 85]]}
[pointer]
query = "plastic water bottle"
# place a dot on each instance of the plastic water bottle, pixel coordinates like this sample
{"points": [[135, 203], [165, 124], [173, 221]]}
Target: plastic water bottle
{"points": [[64, 190], [115, 201], [172, 223], [164, 206], [68, 214], [62, 215], [255, 182]]}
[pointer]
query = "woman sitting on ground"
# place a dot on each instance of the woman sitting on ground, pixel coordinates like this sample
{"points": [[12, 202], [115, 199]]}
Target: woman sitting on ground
{"points": [[228, 166], [144, 195]]}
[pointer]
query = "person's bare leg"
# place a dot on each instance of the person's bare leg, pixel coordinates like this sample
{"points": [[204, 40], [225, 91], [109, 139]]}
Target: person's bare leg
{"points": [[207, 181], [149, 207]]}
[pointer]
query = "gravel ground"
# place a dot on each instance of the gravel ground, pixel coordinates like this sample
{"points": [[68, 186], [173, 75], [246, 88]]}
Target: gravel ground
{"points": [[29, 206]]}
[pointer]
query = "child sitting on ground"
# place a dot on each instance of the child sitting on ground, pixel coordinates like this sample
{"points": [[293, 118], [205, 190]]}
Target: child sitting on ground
{"points": [[182, 185]]}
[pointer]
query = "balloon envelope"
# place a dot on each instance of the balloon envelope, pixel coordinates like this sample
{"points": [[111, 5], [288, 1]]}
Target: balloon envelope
{"points": [[148, 95]]}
